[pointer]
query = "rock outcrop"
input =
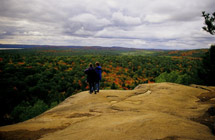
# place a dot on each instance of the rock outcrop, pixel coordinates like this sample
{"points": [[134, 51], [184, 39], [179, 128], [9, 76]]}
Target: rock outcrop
{"points": [[161, 111]]}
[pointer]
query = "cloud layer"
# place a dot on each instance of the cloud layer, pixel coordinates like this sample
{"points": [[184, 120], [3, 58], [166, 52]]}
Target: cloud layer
{"points": [[166, 24]]}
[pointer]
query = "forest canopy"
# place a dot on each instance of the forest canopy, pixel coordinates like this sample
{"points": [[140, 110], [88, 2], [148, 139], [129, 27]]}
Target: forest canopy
{"points": [[36, 79]]}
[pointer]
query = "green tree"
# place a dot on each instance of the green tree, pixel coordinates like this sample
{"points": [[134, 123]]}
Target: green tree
{"points": [[207, 71], [25, 111], [209, 22], [174, 77], [207, 74], [113, 86]]}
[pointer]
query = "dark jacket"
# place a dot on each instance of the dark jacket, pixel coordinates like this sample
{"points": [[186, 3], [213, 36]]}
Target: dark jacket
{"points": [[99, 73], [91, 74]]}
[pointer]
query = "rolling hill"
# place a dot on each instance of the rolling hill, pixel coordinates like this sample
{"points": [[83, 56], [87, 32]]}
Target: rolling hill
{"points": [[159, 111]]}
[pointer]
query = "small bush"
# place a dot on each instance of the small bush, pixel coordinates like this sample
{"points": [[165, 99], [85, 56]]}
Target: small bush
{"points": [[53, 104], [25, 111], [174, 77]]}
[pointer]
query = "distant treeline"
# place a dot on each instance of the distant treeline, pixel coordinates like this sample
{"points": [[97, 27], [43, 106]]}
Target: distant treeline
{"points": [[34, 80]]}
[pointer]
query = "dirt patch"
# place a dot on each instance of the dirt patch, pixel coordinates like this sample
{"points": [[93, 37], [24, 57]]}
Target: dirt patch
{"points": [[202, 87], [111, 96], [208, 119], [26, 134], [116, 108], [146, 92], [78, 115], [169, 138], [94, 110], [206, 97]]}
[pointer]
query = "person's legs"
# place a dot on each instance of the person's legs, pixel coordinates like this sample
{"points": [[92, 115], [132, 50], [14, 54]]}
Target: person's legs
{"points": [[91, 87], [97, 86], [94, 88]]}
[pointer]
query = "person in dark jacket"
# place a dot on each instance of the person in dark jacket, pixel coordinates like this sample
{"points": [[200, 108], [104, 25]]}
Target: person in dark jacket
{"points": [[98, 70], [91, 77]]}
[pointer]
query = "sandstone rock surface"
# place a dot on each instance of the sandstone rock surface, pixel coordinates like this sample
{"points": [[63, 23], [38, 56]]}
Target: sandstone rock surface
{"points": [[160, 111]]}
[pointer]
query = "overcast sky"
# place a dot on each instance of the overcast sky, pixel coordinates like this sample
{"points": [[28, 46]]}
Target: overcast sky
{"points": [[161, 24]]}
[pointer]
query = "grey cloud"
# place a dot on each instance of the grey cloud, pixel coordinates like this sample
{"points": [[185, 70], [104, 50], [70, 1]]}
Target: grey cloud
{"points": [[119, 19], [4, 34], [102, 22]]}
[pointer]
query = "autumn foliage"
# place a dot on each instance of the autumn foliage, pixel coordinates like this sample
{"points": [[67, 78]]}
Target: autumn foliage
{"points": [[47, 77]]}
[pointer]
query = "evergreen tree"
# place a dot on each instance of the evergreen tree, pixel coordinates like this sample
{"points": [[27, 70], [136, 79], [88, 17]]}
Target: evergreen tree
{"points": [[209, 22], [207, 73]]}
